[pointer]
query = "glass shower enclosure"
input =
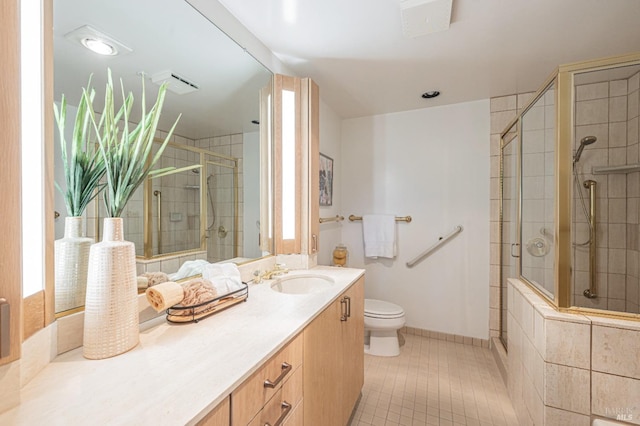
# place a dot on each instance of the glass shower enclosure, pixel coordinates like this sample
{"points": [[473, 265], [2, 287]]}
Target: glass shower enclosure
{"points": [[570, 190]]}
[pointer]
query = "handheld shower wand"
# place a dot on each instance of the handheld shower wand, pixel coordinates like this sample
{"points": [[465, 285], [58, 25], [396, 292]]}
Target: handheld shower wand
{"points": [[587, 140]]}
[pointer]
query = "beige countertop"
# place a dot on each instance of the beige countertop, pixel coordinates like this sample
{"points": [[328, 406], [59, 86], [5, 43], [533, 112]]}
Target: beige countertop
{"points": [[177, 373]]}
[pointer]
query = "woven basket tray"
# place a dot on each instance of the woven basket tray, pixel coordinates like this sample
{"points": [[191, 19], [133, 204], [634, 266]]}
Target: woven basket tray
{"points": [[194, 313]]}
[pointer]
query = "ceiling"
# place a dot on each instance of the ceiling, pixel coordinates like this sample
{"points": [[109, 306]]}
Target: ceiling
{"points": [[356, 52], [163, 35]]}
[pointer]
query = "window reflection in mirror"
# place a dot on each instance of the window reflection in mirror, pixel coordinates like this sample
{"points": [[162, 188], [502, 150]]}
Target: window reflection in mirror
{"points": [[218, 212]]}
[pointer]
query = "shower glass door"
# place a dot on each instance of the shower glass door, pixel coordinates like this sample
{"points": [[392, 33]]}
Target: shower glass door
{"points": [[224, 212], [538, 179], [508, 220]]}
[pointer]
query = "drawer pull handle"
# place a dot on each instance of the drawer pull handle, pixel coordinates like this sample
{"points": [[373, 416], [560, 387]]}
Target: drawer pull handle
{"points": [[343, 309], [348, 299], [286, 407], [285, 370]]}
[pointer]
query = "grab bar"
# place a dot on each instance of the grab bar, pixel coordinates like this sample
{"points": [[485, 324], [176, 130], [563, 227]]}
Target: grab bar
{"points": [[159, 195], [592, 291], [398, 219], [431, 249], [337, 218]]}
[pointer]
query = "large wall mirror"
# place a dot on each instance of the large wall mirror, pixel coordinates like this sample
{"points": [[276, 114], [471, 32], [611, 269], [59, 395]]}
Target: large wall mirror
{"points": [[218, 146]]}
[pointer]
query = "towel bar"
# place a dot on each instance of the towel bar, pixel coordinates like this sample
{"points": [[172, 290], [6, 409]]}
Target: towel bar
{"points": [[398, 218]]}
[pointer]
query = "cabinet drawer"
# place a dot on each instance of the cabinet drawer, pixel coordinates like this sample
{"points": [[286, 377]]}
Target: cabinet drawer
{"points": [[296, 417], [253, 394], [219, 416], [281, 407]]}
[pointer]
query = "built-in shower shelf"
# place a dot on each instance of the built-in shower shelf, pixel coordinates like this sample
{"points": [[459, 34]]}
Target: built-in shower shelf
{"points": [[604, 170], [192, 187]]}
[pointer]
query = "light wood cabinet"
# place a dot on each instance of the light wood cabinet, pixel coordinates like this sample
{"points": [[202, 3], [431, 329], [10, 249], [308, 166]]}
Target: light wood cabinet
{"points": [[10, 226], [264, 397], [219, 416], [296, 158], [315, 380], [334, 360]]}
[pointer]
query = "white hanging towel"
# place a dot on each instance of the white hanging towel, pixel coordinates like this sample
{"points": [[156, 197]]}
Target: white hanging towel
{"points": [[379, 232]]}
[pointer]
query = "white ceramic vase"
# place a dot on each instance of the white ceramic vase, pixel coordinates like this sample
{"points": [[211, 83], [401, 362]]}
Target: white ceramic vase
{"points": [[111, 322], [71, 264]]}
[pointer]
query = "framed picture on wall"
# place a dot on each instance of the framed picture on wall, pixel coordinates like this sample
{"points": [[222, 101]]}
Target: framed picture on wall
{"points": [[326, 180]]}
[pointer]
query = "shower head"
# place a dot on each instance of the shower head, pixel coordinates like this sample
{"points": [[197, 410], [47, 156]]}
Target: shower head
{"points": [[587, 140]]}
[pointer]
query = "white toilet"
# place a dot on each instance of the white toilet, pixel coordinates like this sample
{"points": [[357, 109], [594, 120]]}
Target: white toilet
{"points": [[382, 320]]}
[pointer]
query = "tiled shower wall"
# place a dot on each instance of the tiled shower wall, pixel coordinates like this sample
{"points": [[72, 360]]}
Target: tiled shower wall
{"points": [[565, 368], [609, 111]]}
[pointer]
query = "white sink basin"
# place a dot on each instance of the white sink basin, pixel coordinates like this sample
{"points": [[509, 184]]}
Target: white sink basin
{"points": [[302, 284]]}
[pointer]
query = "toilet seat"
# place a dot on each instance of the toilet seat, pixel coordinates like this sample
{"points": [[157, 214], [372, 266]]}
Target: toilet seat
{"points": [[380, 309]]}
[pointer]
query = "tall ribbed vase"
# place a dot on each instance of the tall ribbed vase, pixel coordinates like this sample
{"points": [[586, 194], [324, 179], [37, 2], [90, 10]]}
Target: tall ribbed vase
{"points": [[71, 264], [111, 309]]}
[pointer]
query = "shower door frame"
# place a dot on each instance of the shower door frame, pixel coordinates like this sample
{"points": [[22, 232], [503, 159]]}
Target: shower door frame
{"points": [[516, 175]]}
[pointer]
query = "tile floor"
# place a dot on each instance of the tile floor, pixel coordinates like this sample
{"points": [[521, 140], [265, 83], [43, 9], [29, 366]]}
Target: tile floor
{"points": [[434, 382]]}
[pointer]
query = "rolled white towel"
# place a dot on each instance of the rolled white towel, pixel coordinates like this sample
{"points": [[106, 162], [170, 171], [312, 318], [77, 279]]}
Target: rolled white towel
{"points": [[225, 277], [189, 268]]}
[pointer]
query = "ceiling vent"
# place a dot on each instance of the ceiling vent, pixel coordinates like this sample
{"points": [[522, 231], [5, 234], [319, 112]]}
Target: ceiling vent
{"points": [[420, 17], [177, 83]]}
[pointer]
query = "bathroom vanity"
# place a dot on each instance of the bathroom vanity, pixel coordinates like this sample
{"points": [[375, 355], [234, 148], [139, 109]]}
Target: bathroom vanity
{"points": [[309, 347]]}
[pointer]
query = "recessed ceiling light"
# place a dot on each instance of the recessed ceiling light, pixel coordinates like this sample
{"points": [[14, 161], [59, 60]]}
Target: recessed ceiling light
{"points": [[430, 94], [101, 47], [97, 41]]}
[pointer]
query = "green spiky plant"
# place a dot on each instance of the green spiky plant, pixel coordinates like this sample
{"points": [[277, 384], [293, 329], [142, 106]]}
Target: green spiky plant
{"points": [[85, 167], [127, 153]]}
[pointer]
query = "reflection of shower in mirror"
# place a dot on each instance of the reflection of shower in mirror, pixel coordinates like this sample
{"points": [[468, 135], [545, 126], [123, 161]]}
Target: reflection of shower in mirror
{"points": [[210, 185]]}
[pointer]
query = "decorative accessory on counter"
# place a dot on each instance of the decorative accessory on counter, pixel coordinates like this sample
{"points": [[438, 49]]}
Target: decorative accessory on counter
{"points": [[340, 255], [198, 291], [111, 322], [192, 292], [165, 295], [71, 265], [155, 278], [194, 313], [225, 277], [128, 151], [143, 282], [198, 298], [83, 171]]}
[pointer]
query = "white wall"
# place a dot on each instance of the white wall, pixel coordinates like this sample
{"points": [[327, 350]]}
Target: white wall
{"points": [[431, 164], [330, 232]]}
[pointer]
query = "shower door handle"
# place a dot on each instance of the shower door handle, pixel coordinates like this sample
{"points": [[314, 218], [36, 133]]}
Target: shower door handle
{"points": [[515, 245]]}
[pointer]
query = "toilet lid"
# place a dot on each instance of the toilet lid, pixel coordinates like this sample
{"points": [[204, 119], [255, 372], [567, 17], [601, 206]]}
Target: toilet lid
{"points": [[381, 309]]}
